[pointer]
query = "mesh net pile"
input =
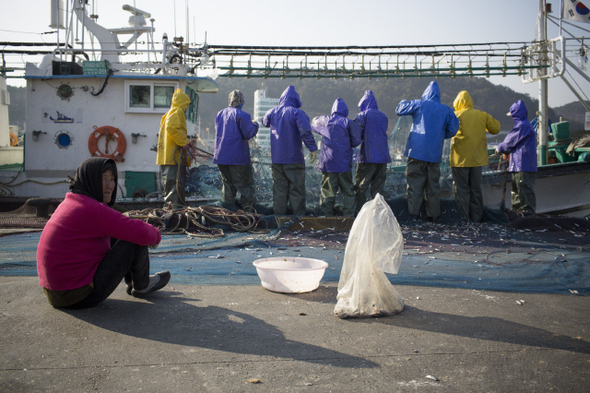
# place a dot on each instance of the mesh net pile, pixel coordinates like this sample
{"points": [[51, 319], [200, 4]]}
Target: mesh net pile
{"points": [[33, 214]]}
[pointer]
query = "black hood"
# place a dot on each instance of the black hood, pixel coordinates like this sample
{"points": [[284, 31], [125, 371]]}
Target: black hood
{"points": [[88, 180]]}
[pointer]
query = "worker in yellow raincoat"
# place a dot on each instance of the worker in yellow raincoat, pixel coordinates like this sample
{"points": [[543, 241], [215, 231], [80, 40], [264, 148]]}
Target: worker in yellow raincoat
{"points": [[172, 141], [469, 153]]}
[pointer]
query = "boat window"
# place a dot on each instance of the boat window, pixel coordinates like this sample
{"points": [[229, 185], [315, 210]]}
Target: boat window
{"points": [[191, 111], [149, 97], [63, 139], [64, 91], [139, 96], [163, 96]]}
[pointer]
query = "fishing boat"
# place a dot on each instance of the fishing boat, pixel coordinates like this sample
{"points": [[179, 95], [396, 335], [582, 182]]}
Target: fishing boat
{"points": [[563, 178], [562, 186], [104, 100]]}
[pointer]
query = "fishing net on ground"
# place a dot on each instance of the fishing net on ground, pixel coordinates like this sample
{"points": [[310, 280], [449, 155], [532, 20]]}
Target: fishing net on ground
{"points": [[33, 214], [200, 221]]}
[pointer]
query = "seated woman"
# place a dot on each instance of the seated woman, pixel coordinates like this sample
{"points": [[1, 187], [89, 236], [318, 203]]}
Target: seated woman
{"points": [[77, 265]]}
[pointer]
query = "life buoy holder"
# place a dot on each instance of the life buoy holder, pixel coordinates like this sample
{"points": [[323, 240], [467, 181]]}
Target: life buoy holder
{"points": [[111, 133]]}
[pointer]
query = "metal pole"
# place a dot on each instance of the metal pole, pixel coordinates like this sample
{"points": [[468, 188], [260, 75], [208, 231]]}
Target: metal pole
{"points": [[561, 19], [543, 85], [58, 20]]}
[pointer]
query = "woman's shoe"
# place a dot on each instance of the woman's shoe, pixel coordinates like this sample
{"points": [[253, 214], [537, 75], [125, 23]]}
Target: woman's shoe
{"points": [[157, 281]]}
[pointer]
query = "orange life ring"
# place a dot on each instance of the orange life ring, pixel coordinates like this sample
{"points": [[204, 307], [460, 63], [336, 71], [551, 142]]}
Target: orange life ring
{"points": [[13, 139], [110, 133]]}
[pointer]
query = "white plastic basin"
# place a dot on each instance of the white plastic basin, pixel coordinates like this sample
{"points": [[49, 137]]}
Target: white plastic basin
{"points": [[290, 274]]}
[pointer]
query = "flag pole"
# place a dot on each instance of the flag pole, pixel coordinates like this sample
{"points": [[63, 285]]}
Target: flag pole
{"points": [[543, 85], [561, 19]]}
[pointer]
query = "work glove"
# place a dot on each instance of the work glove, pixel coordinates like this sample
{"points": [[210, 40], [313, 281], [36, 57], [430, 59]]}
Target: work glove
{"points": [[312, 155], [190, 149]]}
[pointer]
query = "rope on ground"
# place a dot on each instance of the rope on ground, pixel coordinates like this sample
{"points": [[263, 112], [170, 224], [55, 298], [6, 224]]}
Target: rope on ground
{"points": [[169, 221], [240, 221], [196, 221]]}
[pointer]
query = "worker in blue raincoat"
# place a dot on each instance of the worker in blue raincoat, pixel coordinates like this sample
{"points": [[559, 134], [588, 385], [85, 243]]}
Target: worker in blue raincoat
{"points": [[339, 136], [433, 122], [521, 144], [233, 129], [373, 154], [289, 130]]}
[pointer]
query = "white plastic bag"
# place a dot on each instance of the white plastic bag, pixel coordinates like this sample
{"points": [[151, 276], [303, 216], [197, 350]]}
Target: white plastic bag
{"points": [[375, 245]]}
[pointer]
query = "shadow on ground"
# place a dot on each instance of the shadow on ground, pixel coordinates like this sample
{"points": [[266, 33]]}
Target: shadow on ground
{"points": [[482, 328], [173, 320]]}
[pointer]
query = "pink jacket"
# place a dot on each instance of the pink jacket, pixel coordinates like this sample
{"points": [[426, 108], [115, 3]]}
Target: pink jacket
{"points": [[77, 238]]}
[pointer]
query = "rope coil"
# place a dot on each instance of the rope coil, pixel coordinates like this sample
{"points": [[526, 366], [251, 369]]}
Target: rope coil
{"points": [[197, 221]]}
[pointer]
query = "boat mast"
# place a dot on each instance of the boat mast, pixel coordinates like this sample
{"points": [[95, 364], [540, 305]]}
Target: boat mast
{"points": [[543, 84]]}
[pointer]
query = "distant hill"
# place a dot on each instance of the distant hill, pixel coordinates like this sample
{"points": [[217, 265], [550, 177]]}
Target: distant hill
{"points": [[318, 95], [575, 113]]}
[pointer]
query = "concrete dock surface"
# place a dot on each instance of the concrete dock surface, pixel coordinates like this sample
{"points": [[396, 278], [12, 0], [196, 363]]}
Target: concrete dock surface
{"points": [[487, 309], [210, 338]]}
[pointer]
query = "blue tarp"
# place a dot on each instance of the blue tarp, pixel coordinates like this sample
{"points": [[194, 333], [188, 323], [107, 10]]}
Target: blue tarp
{"points": [[228, 261]]}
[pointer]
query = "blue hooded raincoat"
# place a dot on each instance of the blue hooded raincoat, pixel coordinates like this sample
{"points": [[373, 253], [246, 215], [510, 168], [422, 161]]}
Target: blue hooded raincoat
{"points": [[233, 128], [289, 126], [373, 127], [339, 136], [433, 122], [520, 142]]}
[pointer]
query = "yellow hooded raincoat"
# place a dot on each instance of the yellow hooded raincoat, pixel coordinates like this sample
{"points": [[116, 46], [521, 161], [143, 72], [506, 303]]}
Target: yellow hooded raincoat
{"points": [[469, 146], [173, 131]]}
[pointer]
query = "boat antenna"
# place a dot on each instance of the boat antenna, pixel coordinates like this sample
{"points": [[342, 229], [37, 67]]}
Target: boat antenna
{"points": [[187, 24], [543, 85], [174, 6]]}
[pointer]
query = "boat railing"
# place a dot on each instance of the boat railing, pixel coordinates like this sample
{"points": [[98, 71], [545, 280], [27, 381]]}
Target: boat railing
{"points": [[135, 59]]}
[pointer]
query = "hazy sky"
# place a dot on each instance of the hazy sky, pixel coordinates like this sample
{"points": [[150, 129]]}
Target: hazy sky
{"points": [[317, 23]]}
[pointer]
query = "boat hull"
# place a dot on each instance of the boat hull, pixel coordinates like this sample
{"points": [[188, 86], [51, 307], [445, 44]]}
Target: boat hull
{"points": [[562, 189]]}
